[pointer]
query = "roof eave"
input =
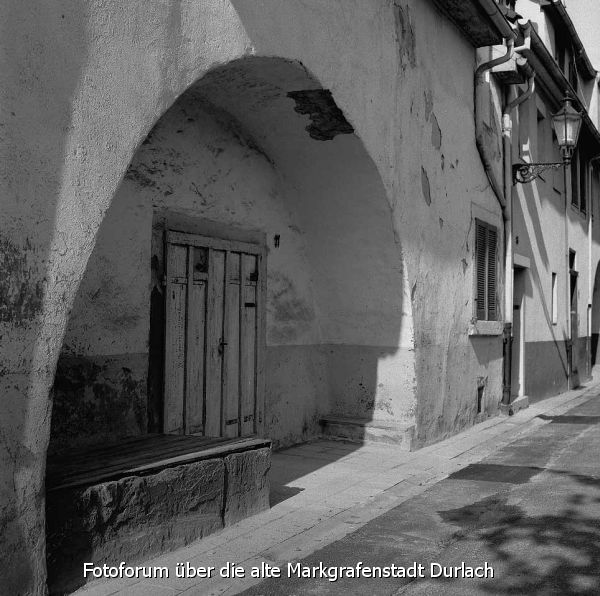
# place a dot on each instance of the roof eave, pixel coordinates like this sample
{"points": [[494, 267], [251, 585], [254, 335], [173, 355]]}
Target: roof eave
{"points": [[480, 21], [554, 83], [557, 9]]}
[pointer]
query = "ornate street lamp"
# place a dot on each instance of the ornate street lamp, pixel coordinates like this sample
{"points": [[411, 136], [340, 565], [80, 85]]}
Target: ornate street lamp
{"points": [[567, 124]]}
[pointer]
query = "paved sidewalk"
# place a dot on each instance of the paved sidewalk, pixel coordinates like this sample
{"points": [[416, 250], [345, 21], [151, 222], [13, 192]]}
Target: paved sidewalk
{"points": [[325, 493]]}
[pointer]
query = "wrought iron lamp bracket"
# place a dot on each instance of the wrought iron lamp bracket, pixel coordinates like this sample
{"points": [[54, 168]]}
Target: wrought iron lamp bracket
{"points": [[526, 172]]}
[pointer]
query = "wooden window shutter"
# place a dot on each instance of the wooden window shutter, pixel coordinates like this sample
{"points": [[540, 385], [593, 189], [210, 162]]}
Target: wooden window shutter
{"points": [[486, 241], [480, 252], [491, 275]]}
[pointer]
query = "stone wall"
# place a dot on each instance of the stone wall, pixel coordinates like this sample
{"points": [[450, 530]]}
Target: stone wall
{"points": [[139, 516]]}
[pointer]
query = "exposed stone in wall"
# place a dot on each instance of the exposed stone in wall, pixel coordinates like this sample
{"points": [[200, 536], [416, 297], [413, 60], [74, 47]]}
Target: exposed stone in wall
{"points": [[327, 120], [20, 299], [96, 399], [436, 133], [405, 35]]}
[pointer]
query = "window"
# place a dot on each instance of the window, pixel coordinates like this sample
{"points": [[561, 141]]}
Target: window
{"points": [[560, 51], [575, 179], [554, 300], [579, 181], [573, 78], [542, 137], [524, 133], [486, 241]]}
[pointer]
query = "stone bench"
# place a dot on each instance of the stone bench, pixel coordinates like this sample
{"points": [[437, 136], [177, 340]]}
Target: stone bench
{"points": [[145, 496]]}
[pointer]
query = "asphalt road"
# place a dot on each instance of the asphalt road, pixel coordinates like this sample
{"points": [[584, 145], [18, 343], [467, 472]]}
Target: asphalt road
{"points": [[530, 512]]}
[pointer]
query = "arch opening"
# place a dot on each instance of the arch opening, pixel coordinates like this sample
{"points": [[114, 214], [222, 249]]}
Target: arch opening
{"points": [[256, 179], [255, 151]]}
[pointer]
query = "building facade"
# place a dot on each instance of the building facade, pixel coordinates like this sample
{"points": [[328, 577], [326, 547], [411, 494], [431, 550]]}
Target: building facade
{"points": [[262, 219], [554, 247]]}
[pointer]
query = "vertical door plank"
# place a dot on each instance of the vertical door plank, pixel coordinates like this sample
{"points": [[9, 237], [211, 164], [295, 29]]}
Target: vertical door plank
{"points": [[214, 334], [248, 345], [175, 338], [231, 378], [194, 419], [261, 339]]}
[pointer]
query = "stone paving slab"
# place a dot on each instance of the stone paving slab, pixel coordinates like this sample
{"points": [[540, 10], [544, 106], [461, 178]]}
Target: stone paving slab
{"points": [[335, 489]]}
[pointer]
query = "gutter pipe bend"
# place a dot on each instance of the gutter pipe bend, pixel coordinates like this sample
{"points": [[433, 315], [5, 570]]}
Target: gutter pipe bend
{"points": [[482, 147], [493, 12]]}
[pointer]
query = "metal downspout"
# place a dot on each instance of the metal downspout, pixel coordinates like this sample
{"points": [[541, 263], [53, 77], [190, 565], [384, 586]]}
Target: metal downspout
{"points": [[478, 104], [493, 12], [588, 339], [569, 340], [486, 160], [508, 234], [591, 269]]}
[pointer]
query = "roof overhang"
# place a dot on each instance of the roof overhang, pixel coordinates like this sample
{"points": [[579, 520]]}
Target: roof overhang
{"points": [[560, 17], [550, 79], [480, 21]]}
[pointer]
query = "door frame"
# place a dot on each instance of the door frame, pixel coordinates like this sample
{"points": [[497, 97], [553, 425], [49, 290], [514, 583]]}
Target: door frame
{"points": [[519, 340], [521, 265], [198, 240]]}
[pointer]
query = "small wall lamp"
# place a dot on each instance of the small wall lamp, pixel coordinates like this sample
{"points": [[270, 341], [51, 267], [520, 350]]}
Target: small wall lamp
{"points": [[567, 124]]}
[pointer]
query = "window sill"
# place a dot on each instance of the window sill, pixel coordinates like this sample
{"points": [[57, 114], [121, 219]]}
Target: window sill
{"points": [[486, 328]]}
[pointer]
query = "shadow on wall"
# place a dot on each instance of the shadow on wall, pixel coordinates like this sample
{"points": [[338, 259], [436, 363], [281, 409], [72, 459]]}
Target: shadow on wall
{"points": [[37, 102]]}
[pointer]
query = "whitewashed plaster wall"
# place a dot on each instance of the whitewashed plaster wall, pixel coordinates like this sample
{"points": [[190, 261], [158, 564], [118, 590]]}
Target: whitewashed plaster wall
{"points": [[540, 210], [324, 200], [440, 187], [84, 83]]}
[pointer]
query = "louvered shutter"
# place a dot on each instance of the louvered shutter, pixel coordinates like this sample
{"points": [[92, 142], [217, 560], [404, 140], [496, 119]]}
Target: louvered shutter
{"points": [[486, 238], [491, 274], [480, 252]]}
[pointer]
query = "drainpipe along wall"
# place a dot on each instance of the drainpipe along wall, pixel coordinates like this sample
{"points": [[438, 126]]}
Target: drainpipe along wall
{"points": [[479, 104], [508, 185], [501, 194], [591, 268]]}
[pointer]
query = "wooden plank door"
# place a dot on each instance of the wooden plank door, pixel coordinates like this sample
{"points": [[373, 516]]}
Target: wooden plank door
{"points": [[214, 337], [186, 295]]}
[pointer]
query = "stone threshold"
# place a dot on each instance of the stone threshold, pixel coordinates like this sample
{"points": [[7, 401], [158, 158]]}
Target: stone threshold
{"points": [[362, 430]]}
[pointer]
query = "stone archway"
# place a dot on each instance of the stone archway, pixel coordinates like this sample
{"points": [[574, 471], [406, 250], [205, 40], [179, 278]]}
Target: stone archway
{"points": [[256, 151], [105, 77], [257, 148]]}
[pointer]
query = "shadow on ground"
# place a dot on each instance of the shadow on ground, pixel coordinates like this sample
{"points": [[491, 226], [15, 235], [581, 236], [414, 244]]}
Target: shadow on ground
{"points": [[291, 465], [553, 553]]}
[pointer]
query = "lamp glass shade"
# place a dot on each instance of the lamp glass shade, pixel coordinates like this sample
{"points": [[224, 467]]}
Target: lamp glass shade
{"points": [[567, 123]]}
